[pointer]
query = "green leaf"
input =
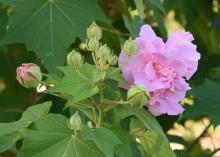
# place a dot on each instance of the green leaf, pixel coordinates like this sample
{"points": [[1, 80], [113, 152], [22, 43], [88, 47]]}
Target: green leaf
{"points": [[124, 149], [207, 102], [77, 84], [154, 145], [105, 139], [158, 4], [29, 116], [51, 137], [7, 141], [49, 26], [115, 74], [147, 118], [140, 7], [85, 106], [98, 75]]}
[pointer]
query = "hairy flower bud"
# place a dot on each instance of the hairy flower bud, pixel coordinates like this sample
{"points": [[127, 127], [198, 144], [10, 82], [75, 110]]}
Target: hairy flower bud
{"points": [[74, 59], [94, 31], [104, 53], [75, 122], [29, 75], [137, 96], [129, 47], [93, 44], [113, 59]]}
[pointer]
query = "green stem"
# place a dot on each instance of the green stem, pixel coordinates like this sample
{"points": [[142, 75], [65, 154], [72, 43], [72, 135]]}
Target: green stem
{"points": [[115, 32], [94, 113], [100, 104], [113, 103], [94, 59], [100, 117]]}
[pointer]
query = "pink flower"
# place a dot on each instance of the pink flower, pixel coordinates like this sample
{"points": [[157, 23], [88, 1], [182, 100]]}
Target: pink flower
{"points": [[162, 68]]}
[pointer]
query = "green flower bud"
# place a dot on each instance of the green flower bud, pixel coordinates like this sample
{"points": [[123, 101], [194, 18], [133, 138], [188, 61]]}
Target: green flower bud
{"points": [[75, 59], [75, 122], [94, 31], [137, 96], [103, 53], [93, 44], [113, 59], [29, 75], [129, 47]]}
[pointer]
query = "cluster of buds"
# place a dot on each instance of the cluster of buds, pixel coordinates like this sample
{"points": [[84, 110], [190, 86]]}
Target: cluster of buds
{"points": [[103, 53], [75, 59], [137, 96], [29, 75]]}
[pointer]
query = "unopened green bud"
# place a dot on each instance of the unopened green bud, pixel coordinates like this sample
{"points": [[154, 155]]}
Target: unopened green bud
{"points": [[29, 75], [93, 44], [74, 59], [129, 47], [94, 31], [75, 122], [113, 59], [137, 96], [103, 53]]}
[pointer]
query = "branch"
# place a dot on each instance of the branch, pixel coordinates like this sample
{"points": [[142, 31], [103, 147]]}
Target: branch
{"points": [[198, 138], [215, 151]]}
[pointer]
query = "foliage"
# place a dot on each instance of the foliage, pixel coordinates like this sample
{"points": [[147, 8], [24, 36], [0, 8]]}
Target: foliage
{"points": [[36, 122]]}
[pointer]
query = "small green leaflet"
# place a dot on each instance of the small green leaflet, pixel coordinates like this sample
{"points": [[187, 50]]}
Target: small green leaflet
{"points": [[29, 116], [105, 139], [51, 137], [77, 84], [48, 27]]}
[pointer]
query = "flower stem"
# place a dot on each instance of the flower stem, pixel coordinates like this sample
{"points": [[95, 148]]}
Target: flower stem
{"points": [[112, 103], [100, 104], [115, 32]]}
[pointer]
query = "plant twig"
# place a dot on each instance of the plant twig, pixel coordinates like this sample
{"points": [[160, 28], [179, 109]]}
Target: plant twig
{"points": [[115, 32], [215, 151], [198, 138]]}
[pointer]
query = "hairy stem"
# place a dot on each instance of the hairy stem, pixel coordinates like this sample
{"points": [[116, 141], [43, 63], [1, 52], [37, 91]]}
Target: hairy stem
{"points": [[100, 104], [94, 59]]}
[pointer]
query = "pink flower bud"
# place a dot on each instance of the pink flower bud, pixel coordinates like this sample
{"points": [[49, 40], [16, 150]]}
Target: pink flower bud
{"points": [[29, 75]]}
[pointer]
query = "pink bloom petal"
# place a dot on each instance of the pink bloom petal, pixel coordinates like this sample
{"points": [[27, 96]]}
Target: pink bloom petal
{"points": [[162, 68]]}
